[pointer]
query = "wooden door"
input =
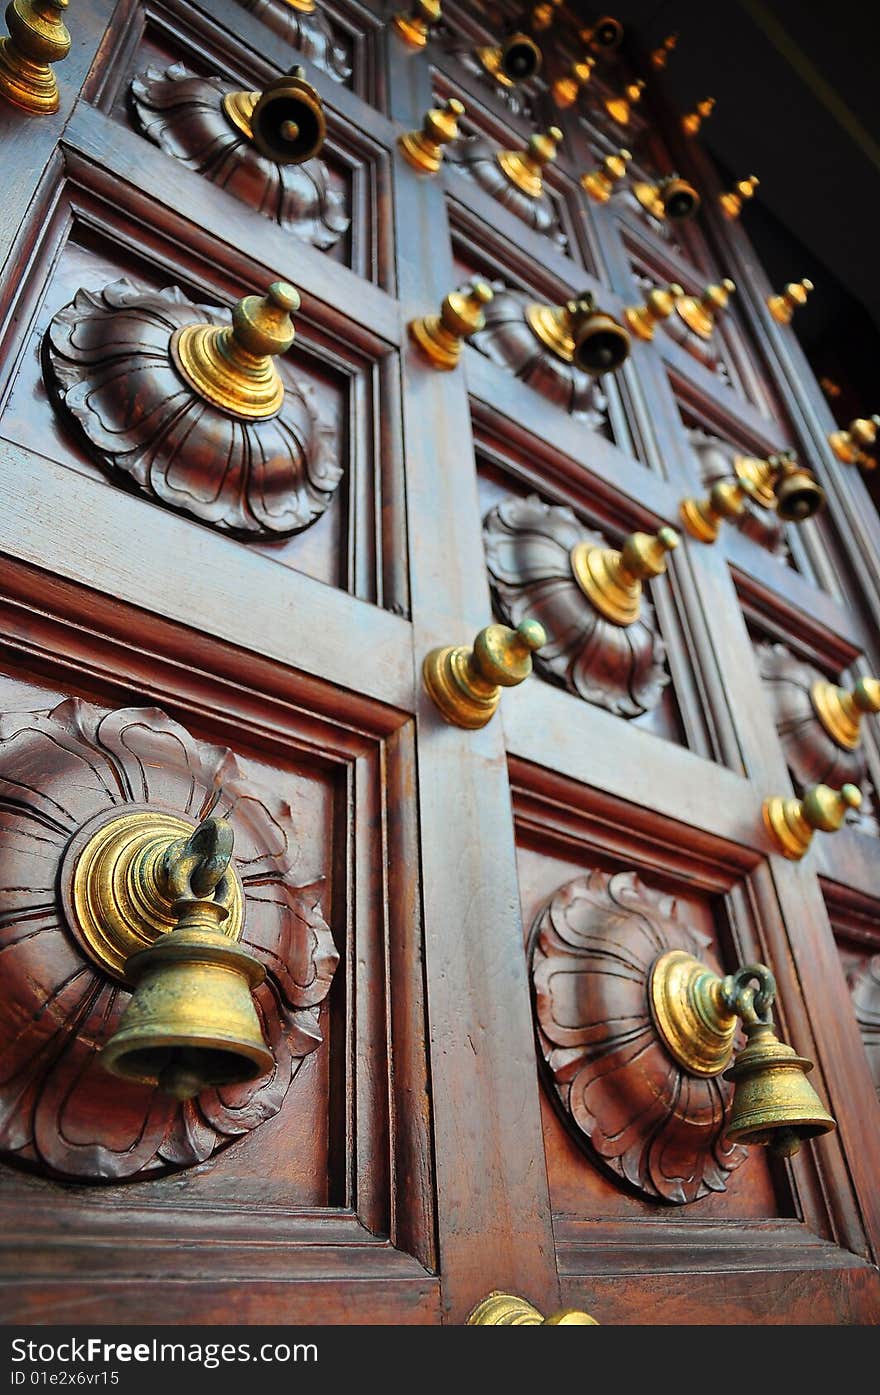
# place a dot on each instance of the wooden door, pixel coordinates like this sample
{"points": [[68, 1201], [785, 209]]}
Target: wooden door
{"points": [[420, 1141]]}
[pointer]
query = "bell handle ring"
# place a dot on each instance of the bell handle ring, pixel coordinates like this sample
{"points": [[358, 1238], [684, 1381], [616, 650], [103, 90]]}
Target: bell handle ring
{"points": [[195, 867]]}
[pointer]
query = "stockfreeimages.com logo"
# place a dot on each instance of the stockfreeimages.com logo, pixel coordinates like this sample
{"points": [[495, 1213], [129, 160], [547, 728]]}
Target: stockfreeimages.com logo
{"points": [[74, 1351]]}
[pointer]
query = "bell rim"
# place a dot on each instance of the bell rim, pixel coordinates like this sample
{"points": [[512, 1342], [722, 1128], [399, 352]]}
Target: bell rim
{"points": [[119, 1047]]}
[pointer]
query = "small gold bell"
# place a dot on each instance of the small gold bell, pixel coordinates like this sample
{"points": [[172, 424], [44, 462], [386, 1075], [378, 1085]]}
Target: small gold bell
{"points": [[601, 345], [285, 121], [518, 59], [660, 55], [692, 122], [773, 1102], [605, 34], [783, 306], [699, 315], [424, 149], [525, 168], [780, 483], [732, 202], [671, 197], [660, 303], [855, 445], [414, 27], [191, 1022], [600, 182], [565, 90], [620, 108]]}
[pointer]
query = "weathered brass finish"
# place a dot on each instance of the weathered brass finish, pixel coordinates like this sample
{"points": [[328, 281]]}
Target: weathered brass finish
{"points": [[660, 55], [525, 168], [695, 1013], [465, 684], [702, 518], [692, 122], [119, 898], [612, 580], [516, 60], [671, 197], [191, 1022], [415, 26], [780, 483], [699, 315], [578, 333], [620, 108], [783, 306], [440, 337], [732, 201], [855, 445], [285, 121], [689, 1011], [506, 1310], [543, 15], [774, 1103], [233, 366], [305, 7], [600, 182], [643, 319], [605, 34], [791, 823], [37, 37], [840, 710], [566, 89], [424, 149]]}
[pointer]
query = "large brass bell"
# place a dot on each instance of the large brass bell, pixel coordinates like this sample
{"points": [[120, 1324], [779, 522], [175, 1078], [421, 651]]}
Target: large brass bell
{"points": [[191, 1022], [516, 60], [798, 496], [288, 123], [601, 345], [774, 1103]]}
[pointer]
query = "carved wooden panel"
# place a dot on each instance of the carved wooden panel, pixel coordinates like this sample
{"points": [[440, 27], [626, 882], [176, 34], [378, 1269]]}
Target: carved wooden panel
{"points": [[509, 341], [813, 755], [108, 361], [621, 1095], [59, 1110], [309, 31], [863, 979], [528, 554], [183, 114], [476, 158]]}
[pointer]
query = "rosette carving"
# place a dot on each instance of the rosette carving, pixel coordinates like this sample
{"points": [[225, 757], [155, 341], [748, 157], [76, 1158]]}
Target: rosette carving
{"points": [[302, 25], [529, 547], [510, 341], [477, 158], [183, 114], [864, 986], [60, 1110], [108, 361], [813, 756], [623, 1098], [716, 458]]}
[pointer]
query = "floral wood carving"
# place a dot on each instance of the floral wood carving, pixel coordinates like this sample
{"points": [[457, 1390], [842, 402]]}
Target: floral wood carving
{"points": [[623, 1098], [509, 341], [528, 550], [716, 459], [475, 157], [516, 99], [183, 114], [305, 30], [864, 986], [59, 1109], [108, 362], [812, 754]]}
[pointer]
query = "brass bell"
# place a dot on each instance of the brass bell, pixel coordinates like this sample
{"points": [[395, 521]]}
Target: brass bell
{"points": [[773, 1102], [671, 197], [783, 306], [692, 122], [415, 26], [37, 37], [605, 33], [518, 59], [798, 496], [288, 123], [856, 445], [601, 345], [660, 55], [191, 1023], [732, 200]]}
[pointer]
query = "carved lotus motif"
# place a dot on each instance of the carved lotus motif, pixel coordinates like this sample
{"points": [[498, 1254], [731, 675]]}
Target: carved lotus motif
{"points": [[59, 1109], [864, 985], [475, 157], [716, 459], [621, 1095], [528, 549], [107, 359], [509, 341], [813, 756], [308, 32], [183, 114]]}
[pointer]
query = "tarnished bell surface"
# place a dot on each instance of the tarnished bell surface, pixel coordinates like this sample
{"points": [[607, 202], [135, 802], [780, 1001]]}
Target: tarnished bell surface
{"points": [[774, 1103], [288, 123], [601, 345], [191, 1022], [520, 58], [798, 496]]}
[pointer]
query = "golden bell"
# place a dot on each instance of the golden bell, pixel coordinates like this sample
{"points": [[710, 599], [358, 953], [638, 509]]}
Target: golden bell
{"points": [[601, 345], [672, 197], [660, 55], [516, 60], [773, 1102], [288, 123], [414, 26], [798, 496], [37, 37], [732, 201], [692, 122], [192, 1022], [855, 445], [605, 33]]}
